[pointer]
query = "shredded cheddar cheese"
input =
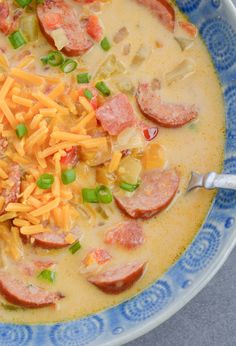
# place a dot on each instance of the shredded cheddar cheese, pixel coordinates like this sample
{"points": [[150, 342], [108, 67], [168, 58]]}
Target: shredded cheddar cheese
{"points": [[26, 98], [115, 161], [46, 208], [22, 101], [6, 87], [30, 230], [18, 207], [28, 77]]}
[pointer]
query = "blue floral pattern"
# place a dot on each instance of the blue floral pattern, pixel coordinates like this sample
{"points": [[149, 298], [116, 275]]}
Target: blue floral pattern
{"points": [[13, 335], [77, 333], [188, 6], [217, 236], [221, 41], [147, 303], [202, 250]]}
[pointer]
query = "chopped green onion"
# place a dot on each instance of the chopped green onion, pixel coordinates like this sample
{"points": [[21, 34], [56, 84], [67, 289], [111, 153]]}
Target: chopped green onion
{"points": [[47, 275], [23, 3], [105, 44], [90, 195], [129, 187], [16, 39], [83, 78], [101, 194], [44, 60], [21, 130], [75, 247], [104, 194], [69, 65], [45, 181], [88, 94], [68, 176], [55, 58], [10, 307], [103, 88]]}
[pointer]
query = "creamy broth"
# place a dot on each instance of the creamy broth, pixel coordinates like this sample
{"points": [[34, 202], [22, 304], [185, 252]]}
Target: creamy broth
{"points": [[197, 146]]}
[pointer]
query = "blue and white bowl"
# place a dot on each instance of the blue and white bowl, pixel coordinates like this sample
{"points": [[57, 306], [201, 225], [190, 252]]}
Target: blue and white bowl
{"points": [[216, 20]]}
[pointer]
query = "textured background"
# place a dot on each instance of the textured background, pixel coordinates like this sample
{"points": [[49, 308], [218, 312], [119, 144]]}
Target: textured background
{"points": [[208, 320]]}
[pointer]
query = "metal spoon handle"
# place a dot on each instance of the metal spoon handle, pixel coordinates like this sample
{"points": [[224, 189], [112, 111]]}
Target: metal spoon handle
{"points": [[225, 181], [212, 180]]}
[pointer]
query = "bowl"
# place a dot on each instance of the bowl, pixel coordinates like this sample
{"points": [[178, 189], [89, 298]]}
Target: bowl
{"points": [[216, 20]]}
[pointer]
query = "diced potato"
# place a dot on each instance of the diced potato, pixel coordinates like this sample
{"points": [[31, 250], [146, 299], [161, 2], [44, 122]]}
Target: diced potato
{"points": [[95, 157], [104, 177], [126, 49], [60, 38], [86, 175], [125, 85], [142, 54], [181, 71], [121, 35], [154, 157], [110, 67], [185, 34], [130, 138], [129, 170]]}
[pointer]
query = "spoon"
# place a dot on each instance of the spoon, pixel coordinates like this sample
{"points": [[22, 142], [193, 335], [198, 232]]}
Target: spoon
{"points": [[211, 181]]}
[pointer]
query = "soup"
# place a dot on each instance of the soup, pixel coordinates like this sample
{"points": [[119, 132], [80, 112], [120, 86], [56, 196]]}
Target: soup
{"points": [[106, 107]]}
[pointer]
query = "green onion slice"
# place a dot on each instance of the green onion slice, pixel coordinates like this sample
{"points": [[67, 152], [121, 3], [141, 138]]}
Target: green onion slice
{"points": [[101, 194], [21, 130], [69, 65], [55, 58], [103, 88], [16, 39], [45, 181], [75, 247], [47, 275], [83, 78], [129, 187], [88, 94], [68, 176], [23, 3], [105, 44], [90, 195], [104, 194], [44, 60]]}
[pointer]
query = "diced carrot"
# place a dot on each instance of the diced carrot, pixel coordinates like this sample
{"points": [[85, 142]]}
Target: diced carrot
{"points": [[94, 29]]}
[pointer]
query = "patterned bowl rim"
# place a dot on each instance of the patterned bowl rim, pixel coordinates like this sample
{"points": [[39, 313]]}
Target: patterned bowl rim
{"points": [[178, 305], [220, 223]]}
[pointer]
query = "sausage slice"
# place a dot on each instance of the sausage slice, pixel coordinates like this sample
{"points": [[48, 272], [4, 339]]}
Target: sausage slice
{"points": [[12, 192], [28, 296], [156, 191], [5, 19], [30, 268], [50, 240], [128, 234], [163, 10], [116, 114], [164, 114], [119, 279], [58, 14]]}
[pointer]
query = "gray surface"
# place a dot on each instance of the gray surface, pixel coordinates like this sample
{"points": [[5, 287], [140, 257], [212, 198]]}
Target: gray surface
{"points": [[208, 320]]}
